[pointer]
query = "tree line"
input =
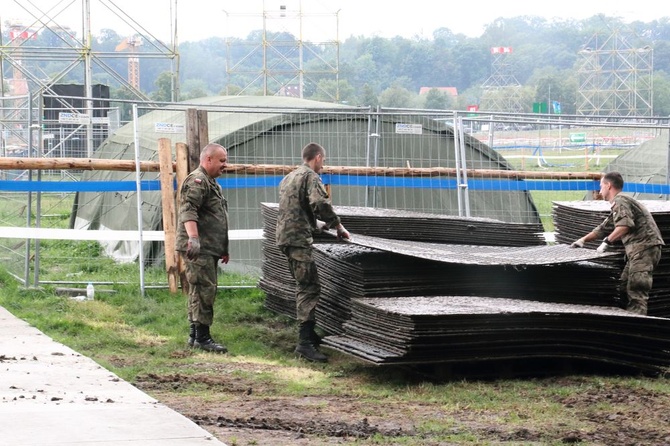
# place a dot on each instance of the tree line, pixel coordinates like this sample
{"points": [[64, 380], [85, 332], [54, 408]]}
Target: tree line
{"points": [[390, 71]]}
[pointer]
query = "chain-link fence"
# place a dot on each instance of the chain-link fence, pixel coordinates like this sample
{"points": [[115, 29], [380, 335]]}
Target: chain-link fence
{"points": [[75, 226]]}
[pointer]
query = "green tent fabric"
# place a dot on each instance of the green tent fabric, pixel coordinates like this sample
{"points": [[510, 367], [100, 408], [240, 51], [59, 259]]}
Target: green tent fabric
{"points": [[645, 164], [272, 130]]}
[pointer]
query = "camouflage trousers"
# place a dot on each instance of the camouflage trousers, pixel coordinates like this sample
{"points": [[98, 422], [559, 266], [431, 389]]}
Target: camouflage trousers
{"points": [[201, 276], [636, 278], [307, 286]]}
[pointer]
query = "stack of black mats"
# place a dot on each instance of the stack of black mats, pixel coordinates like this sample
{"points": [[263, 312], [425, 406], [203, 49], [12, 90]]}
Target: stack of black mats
{"points": [[444, 296], [278, 284], [350, 271], [483, 331]]}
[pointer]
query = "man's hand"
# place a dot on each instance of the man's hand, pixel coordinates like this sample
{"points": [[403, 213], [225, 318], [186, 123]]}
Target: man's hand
{"points": [[193, 248], [342, 233], [604, 246], [578, 243], [225, 258]]}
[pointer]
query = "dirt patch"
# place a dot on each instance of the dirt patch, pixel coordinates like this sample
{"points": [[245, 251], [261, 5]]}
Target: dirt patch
{"points": [[243, 411]]}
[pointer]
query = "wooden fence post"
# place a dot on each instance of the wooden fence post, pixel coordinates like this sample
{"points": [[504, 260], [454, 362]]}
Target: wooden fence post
{"points": [[169, 221], [197, 135]]}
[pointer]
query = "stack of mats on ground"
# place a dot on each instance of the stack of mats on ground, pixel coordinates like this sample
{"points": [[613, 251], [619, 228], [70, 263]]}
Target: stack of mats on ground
{"points": [[543, 302], [467, 329], [574, 219], [279, 285], [380, 269]]}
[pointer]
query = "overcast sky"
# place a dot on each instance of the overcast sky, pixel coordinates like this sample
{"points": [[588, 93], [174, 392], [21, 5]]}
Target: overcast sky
{"points": [[321, 20]]}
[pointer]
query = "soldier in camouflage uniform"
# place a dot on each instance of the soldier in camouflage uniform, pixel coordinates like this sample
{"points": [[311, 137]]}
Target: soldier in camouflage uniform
{"points": [[302, 199], [635, 227], [202, 239]]}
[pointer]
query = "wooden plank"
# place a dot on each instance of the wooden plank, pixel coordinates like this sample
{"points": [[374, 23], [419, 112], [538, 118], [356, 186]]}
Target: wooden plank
{"points": [[203, 131], [20, 163], [169, 221]]}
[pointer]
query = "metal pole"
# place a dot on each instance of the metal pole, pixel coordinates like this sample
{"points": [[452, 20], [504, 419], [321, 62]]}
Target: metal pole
{"points": [[377, 137], [464, 166], [367, 157], [26, 271], [667, 161], [301, 73], [457, 157], [265, 52], [491, 124], [138, 183], [175, 93], [38, 204], [87, 77]]}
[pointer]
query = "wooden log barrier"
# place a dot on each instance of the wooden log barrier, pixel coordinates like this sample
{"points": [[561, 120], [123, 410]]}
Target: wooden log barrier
{"points": [[14, 163]]}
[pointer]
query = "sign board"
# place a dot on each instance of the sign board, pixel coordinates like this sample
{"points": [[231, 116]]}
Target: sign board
{"points": [[48, 136], [100, 120], [409, 129], [73, 118], [168, 127], [540, 107], [577, 137]]}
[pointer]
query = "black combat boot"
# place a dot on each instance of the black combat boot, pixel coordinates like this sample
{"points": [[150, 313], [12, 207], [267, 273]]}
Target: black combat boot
{"points": [[191, 334], [314, 337], [204, 341], [305, 348]]}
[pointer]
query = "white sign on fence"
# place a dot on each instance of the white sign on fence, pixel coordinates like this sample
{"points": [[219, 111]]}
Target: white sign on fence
{"points": [[104, 120], [409, 129], [168, 127], [73, 118]]}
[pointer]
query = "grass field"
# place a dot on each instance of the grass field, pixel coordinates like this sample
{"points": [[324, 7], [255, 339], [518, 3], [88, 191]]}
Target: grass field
{"points": [[261, 383]]}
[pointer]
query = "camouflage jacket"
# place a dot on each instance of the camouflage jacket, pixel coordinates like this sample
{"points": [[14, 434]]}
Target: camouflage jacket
{"points": [[643, 232], [302, 199], [201, 200]]}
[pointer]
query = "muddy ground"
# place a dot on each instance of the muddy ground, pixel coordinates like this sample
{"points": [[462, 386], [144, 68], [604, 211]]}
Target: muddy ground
{"points": [[249, 412]]}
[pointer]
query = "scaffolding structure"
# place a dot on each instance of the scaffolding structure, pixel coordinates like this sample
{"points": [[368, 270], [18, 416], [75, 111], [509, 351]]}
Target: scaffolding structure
{"points": [[292, 54], [501, 92], [42, 52], [615, 75]]}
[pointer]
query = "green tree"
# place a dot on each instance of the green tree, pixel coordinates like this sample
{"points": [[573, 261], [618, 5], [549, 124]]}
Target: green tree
{"points": [[396, 97], [368, 97], [125, 108], [661, 97], [230, 90], [552, 85], [437, 100], [163, 91], [194, 88], [327, 90]]}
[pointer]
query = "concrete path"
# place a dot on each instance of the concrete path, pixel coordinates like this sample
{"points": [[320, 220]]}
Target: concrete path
{"points": [[52, 395]]}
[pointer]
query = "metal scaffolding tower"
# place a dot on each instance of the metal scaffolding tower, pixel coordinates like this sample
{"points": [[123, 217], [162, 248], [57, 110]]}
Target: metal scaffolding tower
{"points": [[501, 91], [292, 54], [615, 75], [43, 52]]}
